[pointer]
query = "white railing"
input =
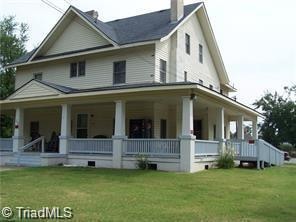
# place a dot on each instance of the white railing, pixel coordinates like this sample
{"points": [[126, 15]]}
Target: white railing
{"points": [[243, 148], [257, 150], [152, 147], [270, 154], [34, 146], [90, 146], [6, 144], [206, 148]]}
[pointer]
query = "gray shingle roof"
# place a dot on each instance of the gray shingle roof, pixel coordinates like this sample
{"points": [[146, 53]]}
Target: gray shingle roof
{"points": [[141, 28]]}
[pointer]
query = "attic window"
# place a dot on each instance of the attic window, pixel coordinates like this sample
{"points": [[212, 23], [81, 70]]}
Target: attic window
{"points": [[200, 53], [187, 43]]}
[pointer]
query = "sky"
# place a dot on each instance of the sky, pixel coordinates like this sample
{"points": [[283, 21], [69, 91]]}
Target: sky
{"points": [[257, 38]]}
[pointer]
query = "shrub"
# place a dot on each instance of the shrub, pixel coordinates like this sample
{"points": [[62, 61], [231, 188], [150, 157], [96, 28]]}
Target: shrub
{"points": [[142, 162], [287, 147], [226, 159]]}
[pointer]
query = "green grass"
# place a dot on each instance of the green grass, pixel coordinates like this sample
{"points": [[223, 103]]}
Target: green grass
{"points": [[127, 195]]}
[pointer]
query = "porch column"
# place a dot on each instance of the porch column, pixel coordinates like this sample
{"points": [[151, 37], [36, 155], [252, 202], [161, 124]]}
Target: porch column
{"points": [[187, 144], [65, 128], [255, 128], [220, 123], [240, 128], [119, 133], [220, 128], [18, 138]]}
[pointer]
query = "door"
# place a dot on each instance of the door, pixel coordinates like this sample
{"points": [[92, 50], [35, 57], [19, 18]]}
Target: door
{"points": [[163, 129], [34, 130], [198, 129]]}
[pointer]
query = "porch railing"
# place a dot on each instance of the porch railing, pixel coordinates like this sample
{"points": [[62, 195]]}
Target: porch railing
{"points": [[270, 154], [34, 146], [206, 148], [90, 146], [6, 144], [243, 148], [152, 147]]}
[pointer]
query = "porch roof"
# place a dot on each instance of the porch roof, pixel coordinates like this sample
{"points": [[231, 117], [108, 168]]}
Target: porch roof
{"points": [[66, 94]]}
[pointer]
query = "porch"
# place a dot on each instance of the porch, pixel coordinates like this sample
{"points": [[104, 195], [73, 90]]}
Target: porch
{"points": [[178, 130]]}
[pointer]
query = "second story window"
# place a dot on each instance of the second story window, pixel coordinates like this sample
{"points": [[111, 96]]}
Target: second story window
{"points": [[119, 72], [38, 76], [163, 71], [187, 43], [185, 76], [77, 69], [200, 53]]}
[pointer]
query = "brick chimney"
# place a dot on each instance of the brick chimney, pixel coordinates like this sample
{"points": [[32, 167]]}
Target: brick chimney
{"points": [[93, 13], [177, 10]]}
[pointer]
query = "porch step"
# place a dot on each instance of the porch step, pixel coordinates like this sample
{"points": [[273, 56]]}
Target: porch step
{"points": [[25, 159]]}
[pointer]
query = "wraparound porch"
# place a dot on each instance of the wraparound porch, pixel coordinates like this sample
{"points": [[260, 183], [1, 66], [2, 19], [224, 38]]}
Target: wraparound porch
{"points": [[162, 125]]}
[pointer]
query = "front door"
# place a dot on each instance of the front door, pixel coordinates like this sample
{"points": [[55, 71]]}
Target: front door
{"points": [[34, 130], [198, 129]]}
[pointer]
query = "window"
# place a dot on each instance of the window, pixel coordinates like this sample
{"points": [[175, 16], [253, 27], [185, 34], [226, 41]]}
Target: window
{"points": [[81, 68], [73, 69], [38, 76], [200, 82], [200, 53], [77, 69], [185, 77], [163, 70], [119, 72], [187, 43], [82, 126], [211, 87]]}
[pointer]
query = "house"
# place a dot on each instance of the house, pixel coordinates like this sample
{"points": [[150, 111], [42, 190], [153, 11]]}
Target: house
{"points": [[99, 93]]}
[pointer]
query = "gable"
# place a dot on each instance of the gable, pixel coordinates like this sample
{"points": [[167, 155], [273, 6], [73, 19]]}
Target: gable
{"points": [[33, 89], [76, 36]]}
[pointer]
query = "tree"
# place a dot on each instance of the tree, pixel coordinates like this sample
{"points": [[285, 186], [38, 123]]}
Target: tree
{"points": [[279, 125], [13, 37]]}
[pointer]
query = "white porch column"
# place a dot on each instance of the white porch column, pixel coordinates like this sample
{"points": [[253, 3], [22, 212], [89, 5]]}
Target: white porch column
{"points": [[119, 133], [18, 138], [187, 149], [240, 128], [255, 128], [65, 128], [220, 123]]}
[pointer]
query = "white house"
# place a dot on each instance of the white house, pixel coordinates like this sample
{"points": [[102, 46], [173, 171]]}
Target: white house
{"points": [[99, 93]]}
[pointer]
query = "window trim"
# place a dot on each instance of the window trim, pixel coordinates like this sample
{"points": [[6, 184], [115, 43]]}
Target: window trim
{"points": [[162, 72], [187, 43], [119, 73]]}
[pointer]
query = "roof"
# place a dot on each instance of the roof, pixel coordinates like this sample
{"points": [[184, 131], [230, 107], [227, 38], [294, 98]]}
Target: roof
{"points": [[141, 28]]}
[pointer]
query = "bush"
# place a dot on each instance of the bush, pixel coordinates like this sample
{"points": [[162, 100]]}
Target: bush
{"points": [[226, 159], [142, 162], [287, 147]]}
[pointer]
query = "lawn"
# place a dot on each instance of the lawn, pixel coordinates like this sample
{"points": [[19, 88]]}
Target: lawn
{"points": [[131, 195]]}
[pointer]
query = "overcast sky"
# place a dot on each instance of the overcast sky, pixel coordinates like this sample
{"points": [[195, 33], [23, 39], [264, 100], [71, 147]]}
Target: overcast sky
{"points": [[257, 38]]}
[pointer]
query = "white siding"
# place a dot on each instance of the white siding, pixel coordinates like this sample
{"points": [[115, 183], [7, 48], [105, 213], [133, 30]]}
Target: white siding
{"points": [[173, 51], [34, 90], [99, 69], [206, 71], [77, 35]]}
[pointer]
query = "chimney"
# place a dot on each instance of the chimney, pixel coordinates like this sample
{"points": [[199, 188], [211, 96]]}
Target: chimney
{"points": [[177, 10], [94, 14]]}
